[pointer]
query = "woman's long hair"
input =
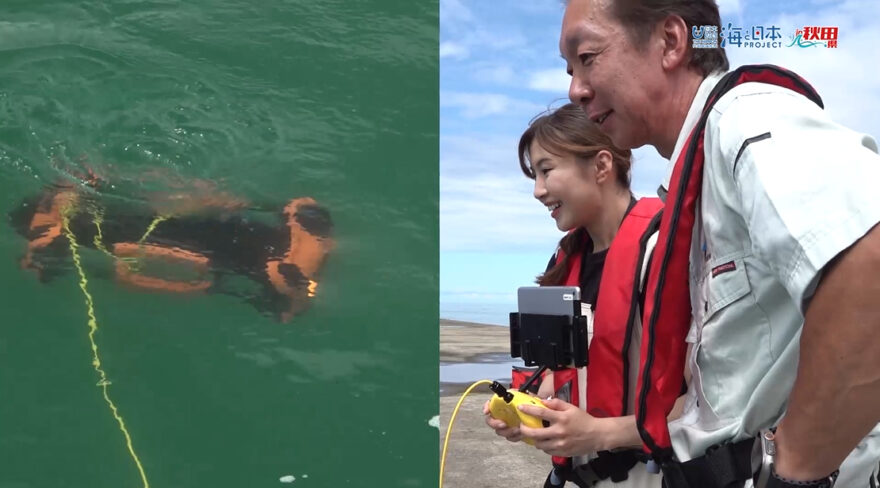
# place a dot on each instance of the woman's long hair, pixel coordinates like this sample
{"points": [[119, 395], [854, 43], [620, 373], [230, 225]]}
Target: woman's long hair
{"points": [[567, 131]]}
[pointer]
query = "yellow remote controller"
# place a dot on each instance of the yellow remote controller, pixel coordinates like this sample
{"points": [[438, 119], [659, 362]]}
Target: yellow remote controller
{"points": [[503, 405]]}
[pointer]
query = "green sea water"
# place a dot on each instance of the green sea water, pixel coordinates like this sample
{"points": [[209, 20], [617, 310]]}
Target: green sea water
{"points": [[268, 101]]}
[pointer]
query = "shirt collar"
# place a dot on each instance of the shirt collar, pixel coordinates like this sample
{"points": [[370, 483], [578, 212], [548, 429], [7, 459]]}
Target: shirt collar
{"points": [[690, 121]]}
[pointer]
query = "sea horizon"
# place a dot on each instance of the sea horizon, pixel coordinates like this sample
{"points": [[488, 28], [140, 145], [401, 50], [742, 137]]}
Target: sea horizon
{"points": [[478, 313]]}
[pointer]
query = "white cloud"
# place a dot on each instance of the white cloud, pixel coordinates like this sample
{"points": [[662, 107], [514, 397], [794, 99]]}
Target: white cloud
{"points": [[489, 211], [477, 105], [648, 171], [466, 294], [845, 77], [555, 7], [459, 25], [449, 49], [496, 74], [452, 11], [485, 200], [730, 8], [486, 212], [550, 80], [498, 40], [479, 153]]}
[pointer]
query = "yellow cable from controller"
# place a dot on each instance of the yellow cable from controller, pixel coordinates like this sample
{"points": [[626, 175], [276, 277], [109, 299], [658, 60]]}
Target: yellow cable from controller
{"points": [[451, 420]]}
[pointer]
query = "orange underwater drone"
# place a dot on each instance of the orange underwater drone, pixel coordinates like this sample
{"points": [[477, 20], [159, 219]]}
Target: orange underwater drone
{"points": [[291, 271]]}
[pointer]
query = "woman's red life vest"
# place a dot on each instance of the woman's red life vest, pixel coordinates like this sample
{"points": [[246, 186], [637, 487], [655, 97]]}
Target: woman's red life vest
{"points": [[667, 299], [617, 308]]}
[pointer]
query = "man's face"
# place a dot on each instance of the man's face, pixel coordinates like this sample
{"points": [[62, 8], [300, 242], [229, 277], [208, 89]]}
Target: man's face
{"points": [[614, 82]]}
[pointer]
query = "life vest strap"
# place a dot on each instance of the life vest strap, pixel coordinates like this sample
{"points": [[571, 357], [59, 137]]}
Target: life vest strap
{"points": [[666, 316], [723, 466], [614, 465]]}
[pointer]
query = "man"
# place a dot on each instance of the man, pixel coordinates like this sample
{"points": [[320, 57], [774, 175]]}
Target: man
{"points": [[782, 257]]}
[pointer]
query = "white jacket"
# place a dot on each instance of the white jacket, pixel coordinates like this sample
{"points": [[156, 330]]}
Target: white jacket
{"points": [[784, 191]]}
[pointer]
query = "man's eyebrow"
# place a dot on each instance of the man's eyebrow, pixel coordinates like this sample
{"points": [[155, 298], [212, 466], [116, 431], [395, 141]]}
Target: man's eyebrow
{"points": [[579, 35], [571, 43]]}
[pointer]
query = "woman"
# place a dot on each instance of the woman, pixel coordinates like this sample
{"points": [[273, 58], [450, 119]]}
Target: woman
{"points": [[583, 180]]}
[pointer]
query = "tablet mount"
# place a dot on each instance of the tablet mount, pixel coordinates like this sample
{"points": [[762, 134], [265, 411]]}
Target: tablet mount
{"points": [[553, 341]]}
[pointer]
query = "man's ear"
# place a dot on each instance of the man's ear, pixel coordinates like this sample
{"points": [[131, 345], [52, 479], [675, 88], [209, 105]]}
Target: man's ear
{"points": [[675, 37]]}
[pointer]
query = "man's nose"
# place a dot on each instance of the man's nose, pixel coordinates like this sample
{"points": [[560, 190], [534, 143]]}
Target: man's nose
{"points": [[579, 91]]}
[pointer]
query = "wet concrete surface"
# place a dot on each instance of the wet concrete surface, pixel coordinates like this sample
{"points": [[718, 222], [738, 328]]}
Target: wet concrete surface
{"points": [[476, 457]]}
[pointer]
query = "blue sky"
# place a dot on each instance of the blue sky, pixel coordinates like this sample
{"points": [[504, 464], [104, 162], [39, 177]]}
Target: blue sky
{"points": [[500, 66]]}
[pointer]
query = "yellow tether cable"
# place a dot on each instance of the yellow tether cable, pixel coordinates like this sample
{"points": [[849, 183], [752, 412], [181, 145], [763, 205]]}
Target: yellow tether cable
{"points": [[98, 219], [451, 420], [156, 221], [93, 327]]}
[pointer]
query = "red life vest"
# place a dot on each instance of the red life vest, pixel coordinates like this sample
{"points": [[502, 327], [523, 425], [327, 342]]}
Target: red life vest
{"points": [[607, 376], [667, 312]]}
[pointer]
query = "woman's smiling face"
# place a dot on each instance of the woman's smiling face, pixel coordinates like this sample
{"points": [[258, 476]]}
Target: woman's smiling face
{"points": [[566, 186]]}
